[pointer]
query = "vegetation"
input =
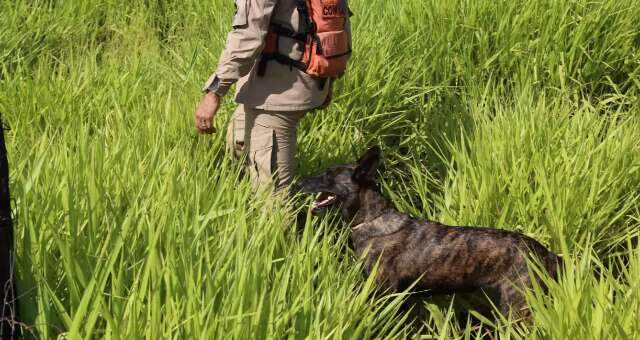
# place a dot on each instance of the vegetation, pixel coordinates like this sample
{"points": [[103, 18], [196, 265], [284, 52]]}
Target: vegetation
{"points": [[519, 114]]}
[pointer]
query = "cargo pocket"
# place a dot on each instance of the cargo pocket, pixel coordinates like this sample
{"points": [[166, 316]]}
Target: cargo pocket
{"points": [[235, 141], [262, 158], [240, 19]]}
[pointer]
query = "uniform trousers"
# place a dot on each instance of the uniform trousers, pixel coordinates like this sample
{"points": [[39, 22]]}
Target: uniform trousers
{"points": [[268, 139]]}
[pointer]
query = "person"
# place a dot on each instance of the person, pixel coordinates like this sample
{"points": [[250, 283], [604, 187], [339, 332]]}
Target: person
{"points": [[272, 95]]}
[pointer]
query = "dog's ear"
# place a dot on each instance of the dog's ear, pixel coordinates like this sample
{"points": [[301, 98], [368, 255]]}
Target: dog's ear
{"points": [[367, 165]]}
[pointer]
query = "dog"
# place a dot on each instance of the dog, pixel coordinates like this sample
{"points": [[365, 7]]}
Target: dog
{"points": [[429, 255]]}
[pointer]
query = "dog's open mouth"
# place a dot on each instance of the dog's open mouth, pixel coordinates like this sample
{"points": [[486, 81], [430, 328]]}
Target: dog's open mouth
{"points": [[325, 199]]}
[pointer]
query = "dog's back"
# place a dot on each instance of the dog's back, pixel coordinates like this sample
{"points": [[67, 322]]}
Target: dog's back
{"points": [[446, 259]]}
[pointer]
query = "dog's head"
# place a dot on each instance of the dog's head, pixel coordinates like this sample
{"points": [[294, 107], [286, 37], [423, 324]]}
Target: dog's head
{"points": [[340, 185]]}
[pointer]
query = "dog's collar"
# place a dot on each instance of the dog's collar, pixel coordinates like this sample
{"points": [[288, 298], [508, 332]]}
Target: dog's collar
{"points": [[358, 226]]}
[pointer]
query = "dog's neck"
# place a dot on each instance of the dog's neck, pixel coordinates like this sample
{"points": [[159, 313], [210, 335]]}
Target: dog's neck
{"points": [[371, 205], [375, 217]]}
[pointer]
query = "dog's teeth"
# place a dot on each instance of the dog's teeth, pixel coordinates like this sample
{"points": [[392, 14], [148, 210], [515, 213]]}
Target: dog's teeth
{"points": [[323, 200]]}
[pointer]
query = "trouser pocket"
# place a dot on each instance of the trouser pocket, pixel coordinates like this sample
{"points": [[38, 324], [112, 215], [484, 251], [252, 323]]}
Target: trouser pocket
{"points": [[262, 157], [270, 140], [235, 134]]}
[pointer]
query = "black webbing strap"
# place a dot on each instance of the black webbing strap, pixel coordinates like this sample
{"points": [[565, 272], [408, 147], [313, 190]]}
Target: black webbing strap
{"points": [[264, 59], [285, 32], [262, 65], [323, 83], [284, 60], [305, 27]]}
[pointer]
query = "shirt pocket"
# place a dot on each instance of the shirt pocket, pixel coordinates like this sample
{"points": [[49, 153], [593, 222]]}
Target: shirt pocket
{"points": [[242, 12]]}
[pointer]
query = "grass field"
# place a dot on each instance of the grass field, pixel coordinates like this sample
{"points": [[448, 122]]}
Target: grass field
{"points": [[519, 114]]}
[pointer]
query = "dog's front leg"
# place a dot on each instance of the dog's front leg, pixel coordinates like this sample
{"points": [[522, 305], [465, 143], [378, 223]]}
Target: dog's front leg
{"points": [[512, 300]]}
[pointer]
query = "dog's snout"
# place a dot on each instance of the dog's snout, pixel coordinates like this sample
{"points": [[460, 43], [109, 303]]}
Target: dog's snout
{"points": [[308, 185]]}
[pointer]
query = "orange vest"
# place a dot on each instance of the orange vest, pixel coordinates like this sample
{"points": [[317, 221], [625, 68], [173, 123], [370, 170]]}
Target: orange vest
{"points": [[322, 32]]}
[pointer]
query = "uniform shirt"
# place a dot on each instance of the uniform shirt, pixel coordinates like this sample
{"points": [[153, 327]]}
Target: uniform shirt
{"points": [[281, 88]]}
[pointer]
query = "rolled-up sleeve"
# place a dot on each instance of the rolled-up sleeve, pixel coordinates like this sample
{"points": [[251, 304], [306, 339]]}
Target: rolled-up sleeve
{"points": [[244, 43]]}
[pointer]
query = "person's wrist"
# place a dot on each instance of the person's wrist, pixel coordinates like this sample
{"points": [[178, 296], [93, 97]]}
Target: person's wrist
{"points": [[218, 86], [213, 95]]}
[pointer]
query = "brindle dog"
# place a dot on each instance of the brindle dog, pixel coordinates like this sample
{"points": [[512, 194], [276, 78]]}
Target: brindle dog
{"points": [[436, 257]]}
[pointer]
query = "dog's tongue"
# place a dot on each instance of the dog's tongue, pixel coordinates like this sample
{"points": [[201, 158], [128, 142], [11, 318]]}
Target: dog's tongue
{"points": [[323, 200]]}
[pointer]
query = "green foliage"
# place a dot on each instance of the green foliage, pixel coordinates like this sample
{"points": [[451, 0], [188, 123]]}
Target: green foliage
{"points": [[518, 114]]}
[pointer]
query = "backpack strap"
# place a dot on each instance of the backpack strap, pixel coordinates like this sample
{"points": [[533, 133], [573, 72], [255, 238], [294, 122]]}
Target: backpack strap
{"points": [[285, 32], [322, 83], [305, 27]]}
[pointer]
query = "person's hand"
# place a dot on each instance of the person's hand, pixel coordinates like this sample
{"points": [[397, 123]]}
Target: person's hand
{"points": [[206, 113]]}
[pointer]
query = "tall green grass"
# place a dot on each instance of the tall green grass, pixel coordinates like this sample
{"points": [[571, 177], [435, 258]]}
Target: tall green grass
{"points": [[517, 114]]}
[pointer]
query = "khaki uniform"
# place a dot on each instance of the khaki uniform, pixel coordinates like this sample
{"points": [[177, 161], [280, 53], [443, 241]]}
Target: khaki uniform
{"points": [[270, 106]]}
